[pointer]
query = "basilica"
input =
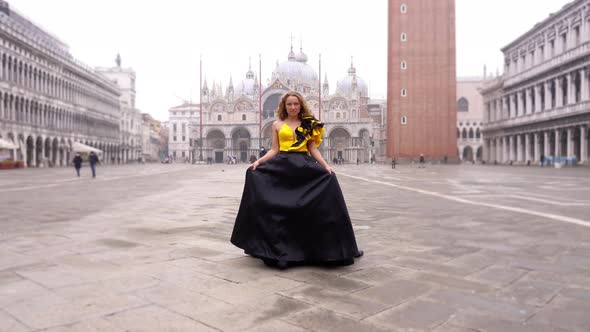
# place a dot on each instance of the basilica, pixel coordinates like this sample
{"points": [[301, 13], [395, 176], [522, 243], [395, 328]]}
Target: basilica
{"points": [[237, 122]]}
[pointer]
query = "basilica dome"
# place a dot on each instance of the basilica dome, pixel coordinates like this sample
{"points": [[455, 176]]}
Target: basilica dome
{"points": [[248, 86], [296, 71], [346, 85]]}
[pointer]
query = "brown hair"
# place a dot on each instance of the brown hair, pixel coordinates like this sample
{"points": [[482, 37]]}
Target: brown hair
{"points": [[282, 109]]}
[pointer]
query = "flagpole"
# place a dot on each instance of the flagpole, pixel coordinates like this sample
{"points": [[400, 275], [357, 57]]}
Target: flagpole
{"points": [[260, 101], [320, 91], [200, 108]]}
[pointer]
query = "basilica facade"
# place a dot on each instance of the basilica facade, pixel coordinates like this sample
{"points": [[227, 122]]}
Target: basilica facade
{"points": [[237, 122]]}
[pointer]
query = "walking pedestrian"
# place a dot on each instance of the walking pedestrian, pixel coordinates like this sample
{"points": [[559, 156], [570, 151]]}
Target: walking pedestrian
{"points": [[422, 163], [93, 160], [77, 163]]}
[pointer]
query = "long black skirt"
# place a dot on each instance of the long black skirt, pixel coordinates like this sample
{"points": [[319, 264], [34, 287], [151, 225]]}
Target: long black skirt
{"points": [[293, 212]]}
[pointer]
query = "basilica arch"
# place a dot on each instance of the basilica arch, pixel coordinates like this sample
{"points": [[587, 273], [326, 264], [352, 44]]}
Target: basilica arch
{"points": [[267, 135], [339, 140], [241, 144], [215, 145], [364, 142], [468, 154]]}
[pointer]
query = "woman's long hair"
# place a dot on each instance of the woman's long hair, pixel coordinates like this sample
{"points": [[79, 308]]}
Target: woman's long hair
{"points": [[282, 109]]}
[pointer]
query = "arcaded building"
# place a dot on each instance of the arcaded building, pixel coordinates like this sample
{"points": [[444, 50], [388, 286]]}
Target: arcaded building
{"points": [[421, 91], [540, 107], [48, 100]]}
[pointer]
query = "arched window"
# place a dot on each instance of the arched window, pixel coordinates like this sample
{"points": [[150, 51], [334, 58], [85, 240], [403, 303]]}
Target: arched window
{"points": [[471, 133], [403, 8], [464, 133], [458, 133], [243, 117], [462, 105], [478, 134]]}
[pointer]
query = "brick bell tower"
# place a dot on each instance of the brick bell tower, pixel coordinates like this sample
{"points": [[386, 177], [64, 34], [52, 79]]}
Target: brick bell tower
{"points": [[421, 80]]}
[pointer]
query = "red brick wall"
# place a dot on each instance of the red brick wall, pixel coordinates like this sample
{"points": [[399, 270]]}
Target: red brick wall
{"points": [[430, 80]]}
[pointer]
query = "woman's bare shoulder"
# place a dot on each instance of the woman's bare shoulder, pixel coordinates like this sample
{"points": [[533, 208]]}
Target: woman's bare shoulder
{"points": [[277, 124]]}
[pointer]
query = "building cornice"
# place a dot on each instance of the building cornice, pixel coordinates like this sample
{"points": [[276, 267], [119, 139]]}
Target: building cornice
{"points": [[553, 19]]}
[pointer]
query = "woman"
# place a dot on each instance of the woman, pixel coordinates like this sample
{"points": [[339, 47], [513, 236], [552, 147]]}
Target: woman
{"points": [[292, 210]]}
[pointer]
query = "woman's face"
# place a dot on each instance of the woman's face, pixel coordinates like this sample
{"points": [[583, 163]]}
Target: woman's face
{"points": [[292, 105]]}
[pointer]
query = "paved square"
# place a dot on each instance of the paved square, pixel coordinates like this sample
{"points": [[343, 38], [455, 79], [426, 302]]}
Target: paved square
{"points": [[146, 248]]}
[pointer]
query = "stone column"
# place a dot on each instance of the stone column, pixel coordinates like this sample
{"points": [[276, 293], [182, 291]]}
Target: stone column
{"points": [[2, 69], [34, 154], [570, 142], [504, 149], [520, 111], [537, 148], [527, 148], [537, 96], [518, 148], [547, 88], [559, 93], [3, 114], [571, 90], [64, 159], [511, 152], [583, 144], [529, 100], [557, 143], [547, 147], [584, 84], [498, 149]]}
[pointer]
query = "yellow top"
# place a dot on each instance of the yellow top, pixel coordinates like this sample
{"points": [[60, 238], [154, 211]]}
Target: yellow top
{"points": [[309, 129]]}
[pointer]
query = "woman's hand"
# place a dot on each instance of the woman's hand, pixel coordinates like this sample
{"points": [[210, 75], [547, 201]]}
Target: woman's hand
{"points": [[254, 165], [329, 169]]}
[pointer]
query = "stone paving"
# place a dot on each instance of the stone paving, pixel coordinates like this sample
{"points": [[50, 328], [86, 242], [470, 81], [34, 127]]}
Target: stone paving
{"points": [[145, 248]]}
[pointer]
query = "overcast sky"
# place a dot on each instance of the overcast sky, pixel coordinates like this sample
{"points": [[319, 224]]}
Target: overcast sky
{"points": [[162, 40]]}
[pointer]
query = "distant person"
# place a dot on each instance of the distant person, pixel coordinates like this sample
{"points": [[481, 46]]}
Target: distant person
{"points": [[542, 160], [446, 159], [422, 162], [93, 160], [77, 163], [358, 161], [393, 163]]}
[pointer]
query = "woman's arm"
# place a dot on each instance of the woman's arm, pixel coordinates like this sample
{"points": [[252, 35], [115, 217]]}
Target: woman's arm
{"points": [[315, 153], [273, 151]]}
